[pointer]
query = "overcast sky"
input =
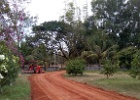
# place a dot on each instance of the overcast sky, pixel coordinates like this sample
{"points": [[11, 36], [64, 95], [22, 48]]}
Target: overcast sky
{"points": [[48, 10]]}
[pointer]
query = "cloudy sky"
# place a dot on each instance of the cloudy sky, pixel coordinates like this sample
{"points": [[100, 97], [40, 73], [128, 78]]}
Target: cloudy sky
{"points": [[48, 10]]}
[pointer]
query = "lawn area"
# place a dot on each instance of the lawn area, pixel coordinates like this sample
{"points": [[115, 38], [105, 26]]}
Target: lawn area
{"points": [[120, 82], [20, 90]]}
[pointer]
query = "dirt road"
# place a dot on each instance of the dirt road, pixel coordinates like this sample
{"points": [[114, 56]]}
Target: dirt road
{"points": [[53, 86]]}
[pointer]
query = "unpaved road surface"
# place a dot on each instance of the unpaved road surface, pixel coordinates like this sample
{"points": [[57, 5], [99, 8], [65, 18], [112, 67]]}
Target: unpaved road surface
{"points": [[53, 86]]}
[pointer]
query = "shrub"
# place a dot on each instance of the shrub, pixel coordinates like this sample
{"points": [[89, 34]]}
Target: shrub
{"points": [[75, 66], [135, 69], [8, 66], [125, 56], [109, 67]]}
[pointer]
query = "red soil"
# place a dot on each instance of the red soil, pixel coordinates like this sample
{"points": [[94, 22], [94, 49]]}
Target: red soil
{"points": [[53, 86]]}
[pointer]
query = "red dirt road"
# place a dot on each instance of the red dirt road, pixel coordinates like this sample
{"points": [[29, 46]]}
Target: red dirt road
{"points": [[53, 86]]}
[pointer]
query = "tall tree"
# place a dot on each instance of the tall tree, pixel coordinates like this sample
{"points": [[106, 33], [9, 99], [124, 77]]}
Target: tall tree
{"points": [[120, 20], [59, 37], [135, 70], [13, 20], [100, 47], [65, 36], [75, 35]]}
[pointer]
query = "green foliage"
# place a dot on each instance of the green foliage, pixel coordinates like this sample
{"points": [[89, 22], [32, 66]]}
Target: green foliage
{"points": [[29, 58], [70, 13], [38, 52], [101, 48], [111, 62], [89, 56], [126, 56], [109, 67], [66, 36], [20, 89], [135, 69], [120, 21], [75, 66], [8, 66]]}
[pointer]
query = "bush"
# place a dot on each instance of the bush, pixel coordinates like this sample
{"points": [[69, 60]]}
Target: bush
{"points": [[8, 66], [110, 67], [75, 66], [135, 69], [125, 56]]}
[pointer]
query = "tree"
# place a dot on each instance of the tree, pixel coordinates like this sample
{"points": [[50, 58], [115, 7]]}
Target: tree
{"points": [[135, 69], [40, 54], [8, 66], [120, 21], [100, 46], [89, 57], [75, 41], [75, 66], [65, 36], [125, 56], [110, 67], [13, 20], [34, 50], [90, 26], [26, 48]]}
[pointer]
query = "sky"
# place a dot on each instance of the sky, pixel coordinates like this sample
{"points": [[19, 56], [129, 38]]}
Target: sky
{"points": [[49, 10]]}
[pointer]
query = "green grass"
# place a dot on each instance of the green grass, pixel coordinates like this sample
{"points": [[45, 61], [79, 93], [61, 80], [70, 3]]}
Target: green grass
{"points": [[120, 82], [20, 90]]}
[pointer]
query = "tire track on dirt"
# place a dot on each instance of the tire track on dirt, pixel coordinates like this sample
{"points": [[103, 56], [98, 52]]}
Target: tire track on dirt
{"points": [[112, 94], [73, 92], [79, 91], [53, 90], [36, 90], [53, 86], [87, 90]]}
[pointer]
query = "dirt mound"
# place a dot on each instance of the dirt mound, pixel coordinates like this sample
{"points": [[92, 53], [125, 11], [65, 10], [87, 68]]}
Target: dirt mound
{"points": [[53, 86]]}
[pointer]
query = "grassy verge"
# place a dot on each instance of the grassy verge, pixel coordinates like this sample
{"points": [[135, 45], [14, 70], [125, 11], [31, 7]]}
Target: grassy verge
{"points": [[20, 90], [120, 82]]}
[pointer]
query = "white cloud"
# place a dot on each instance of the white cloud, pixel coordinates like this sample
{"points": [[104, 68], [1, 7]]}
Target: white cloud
{"points": [[48, 10]]}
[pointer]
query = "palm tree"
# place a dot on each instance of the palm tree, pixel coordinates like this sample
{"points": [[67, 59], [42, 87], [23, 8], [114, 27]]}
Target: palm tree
{"points": [[101, 48]]}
